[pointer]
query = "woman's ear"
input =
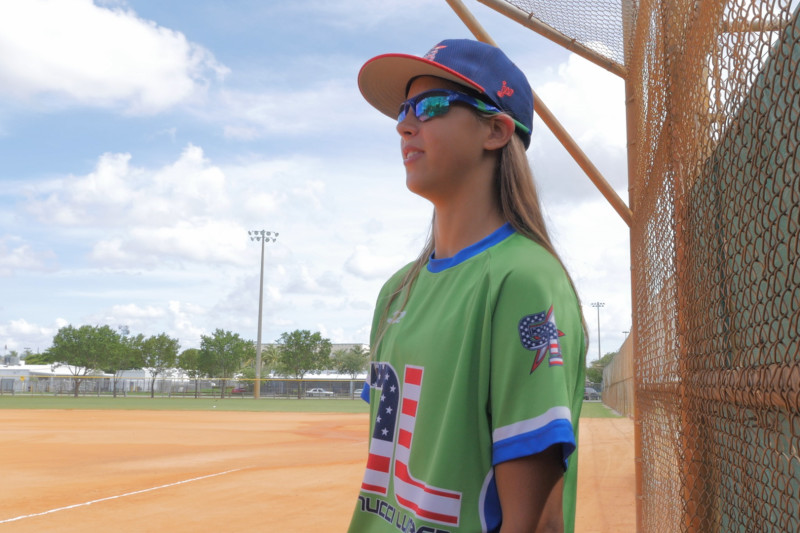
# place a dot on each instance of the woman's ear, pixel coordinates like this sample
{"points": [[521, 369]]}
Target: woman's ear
{"points": [[501, 128]]}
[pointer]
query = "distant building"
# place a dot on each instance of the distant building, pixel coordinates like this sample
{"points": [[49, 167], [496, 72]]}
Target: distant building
{"points": [[9, 360], [56, 380], [45, 378], [345, 347]]}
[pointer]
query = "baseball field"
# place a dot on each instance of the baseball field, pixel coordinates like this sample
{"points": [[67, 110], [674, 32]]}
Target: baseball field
{"points": [[293, 468]]}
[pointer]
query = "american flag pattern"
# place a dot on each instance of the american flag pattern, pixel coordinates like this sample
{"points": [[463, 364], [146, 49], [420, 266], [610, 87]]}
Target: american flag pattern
{"points": [[538, 332], [381, 446], [391, 442]]}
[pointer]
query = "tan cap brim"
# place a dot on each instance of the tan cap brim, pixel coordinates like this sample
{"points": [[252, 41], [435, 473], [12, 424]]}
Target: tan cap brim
{"points": [[383, 80]]}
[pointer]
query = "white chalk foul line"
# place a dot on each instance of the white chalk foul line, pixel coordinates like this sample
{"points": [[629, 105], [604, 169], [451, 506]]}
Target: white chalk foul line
{"points": [[118, 496]]}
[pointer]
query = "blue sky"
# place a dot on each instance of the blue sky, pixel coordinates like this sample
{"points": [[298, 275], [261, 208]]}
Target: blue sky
{"points": [[140, 140]]}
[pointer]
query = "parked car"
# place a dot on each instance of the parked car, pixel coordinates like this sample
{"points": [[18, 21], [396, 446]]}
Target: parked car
{"points": [[318, 392], [590, 394]]}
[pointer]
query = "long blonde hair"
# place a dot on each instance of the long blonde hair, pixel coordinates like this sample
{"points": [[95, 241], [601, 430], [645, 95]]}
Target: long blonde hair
{"points": [[519, 206]]}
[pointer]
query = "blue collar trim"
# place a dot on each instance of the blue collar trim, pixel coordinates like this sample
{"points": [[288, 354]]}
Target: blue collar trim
{"points": [[499, 235]]}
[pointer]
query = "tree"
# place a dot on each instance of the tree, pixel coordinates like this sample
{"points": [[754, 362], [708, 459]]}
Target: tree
{"points": [[158, 354], [38, 359], [221, 355], [269, 355], [248, 368], [594, 374], [122, 358], [300, 352], [352, 361], [83, 350], [269, 359], [189, 362]]}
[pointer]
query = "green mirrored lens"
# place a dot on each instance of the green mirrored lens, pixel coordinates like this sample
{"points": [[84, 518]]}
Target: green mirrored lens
{"points": [[432, 106]]}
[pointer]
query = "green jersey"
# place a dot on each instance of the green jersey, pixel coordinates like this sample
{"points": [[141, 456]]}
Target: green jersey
{"points": [[484, 364]]}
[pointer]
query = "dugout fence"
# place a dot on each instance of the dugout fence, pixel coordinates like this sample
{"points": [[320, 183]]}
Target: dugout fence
{"points": [[712, 92], [618, 386]]}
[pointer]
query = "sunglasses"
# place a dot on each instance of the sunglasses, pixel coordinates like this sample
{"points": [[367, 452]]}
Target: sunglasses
{"points": [[437, 102]]}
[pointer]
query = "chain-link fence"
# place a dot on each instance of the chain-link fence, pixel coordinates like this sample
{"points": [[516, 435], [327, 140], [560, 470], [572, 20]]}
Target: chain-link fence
{"points": [[716, 278], [180, 387], [713, 116]]}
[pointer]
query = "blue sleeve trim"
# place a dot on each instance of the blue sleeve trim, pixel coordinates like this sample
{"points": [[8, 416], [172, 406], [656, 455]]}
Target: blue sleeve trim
{"points": [[365, 392], [536, 441], [492, 515]]}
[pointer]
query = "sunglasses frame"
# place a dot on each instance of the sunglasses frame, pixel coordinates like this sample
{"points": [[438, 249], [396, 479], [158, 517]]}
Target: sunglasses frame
{"points": [[450, 96]]}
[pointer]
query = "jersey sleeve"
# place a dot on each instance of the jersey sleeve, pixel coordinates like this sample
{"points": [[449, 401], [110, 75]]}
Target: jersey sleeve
{"points": [[535, 357]]}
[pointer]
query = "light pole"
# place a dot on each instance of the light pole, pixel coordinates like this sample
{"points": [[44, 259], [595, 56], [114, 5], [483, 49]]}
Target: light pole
{"points": [[264, 237], [598, 305]]}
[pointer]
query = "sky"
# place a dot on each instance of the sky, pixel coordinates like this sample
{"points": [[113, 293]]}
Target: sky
{"points": [[140, 140]]}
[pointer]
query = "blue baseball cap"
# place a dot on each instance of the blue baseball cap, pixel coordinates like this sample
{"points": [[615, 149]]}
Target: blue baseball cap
{"points": [[384, 80]]}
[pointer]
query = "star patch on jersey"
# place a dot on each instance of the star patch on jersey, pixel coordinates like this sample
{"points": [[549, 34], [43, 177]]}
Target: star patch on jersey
{"points": [[538, 333]]}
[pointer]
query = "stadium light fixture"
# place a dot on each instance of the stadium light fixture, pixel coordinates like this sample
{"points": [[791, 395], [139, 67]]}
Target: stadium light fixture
{"points": [[598, 305], [264, 237]]}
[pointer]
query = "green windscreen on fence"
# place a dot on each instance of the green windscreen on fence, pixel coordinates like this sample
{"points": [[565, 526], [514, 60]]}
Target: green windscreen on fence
{"points": [[715, 266]]}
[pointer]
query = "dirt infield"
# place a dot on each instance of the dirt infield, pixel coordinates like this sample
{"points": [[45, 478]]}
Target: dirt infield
{"points": [[606, 476], [127, 471]]}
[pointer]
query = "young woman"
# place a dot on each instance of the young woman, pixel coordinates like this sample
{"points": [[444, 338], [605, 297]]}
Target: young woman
{"points": [[478, 347]]}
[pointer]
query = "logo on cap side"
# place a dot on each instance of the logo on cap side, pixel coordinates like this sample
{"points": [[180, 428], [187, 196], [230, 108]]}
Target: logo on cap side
{"points": [[431, 55], [505, 91]]}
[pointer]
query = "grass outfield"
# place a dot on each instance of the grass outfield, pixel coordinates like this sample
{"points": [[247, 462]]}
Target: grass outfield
{"points": [[597, 410], [307, 405]]}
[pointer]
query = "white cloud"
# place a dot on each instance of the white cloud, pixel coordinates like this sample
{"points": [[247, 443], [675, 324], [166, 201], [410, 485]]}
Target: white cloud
{"points": [[177, 319], [73, 51], [303, 281], [589, 101], [17, 257], [311, 193], [172, 254], [20, 334], [593, 242], [143, 217], [150, 246], [261, 203], [184, 322], [316, 109], [243, 133], [22, 327], [357, 15], [134, 311], [336, 335], [365, 263]]}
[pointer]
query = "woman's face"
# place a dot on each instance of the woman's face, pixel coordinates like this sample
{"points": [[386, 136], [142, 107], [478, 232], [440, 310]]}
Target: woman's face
{"points": [[442, 154]]}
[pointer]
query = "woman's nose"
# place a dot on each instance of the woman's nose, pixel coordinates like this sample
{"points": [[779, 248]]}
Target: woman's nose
{"points": [[407, 126]]}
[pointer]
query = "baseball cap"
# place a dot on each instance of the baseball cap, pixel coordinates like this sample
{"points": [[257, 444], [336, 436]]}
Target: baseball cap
{"points": [[384, 80]]}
